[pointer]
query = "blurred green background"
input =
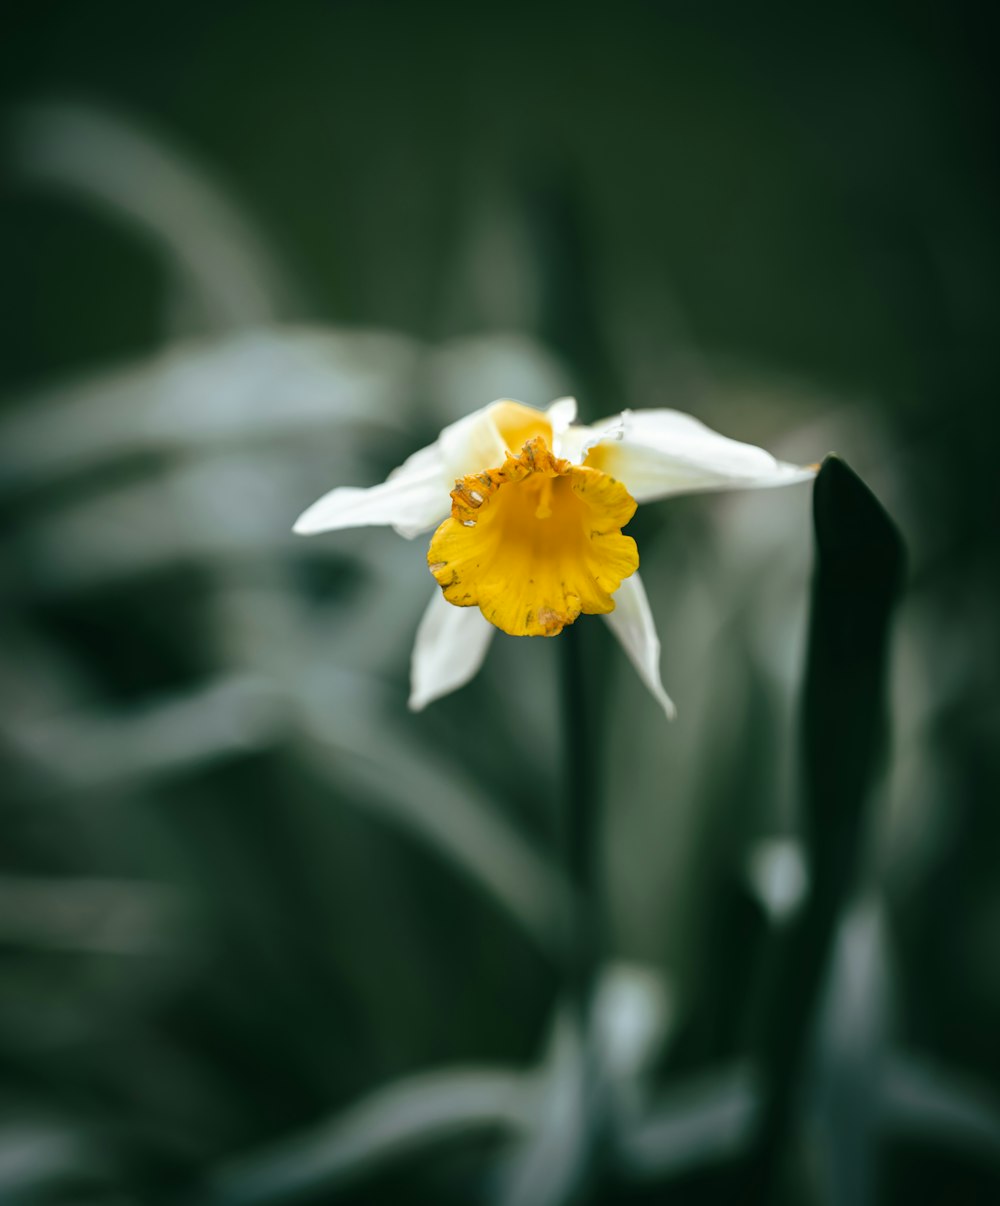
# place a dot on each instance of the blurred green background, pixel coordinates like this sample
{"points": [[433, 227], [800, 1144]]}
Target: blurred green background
{"points": [[266, 937]]}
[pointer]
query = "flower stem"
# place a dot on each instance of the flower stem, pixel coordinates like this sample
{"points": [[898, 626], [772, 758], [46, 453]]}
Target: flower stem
{"points": [[580, 819], [582, 833]]}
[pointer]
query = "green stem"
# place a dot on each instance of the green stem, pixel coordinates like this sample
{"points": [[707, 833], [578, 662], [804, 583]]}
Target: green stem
{"points": [[581, 651], [580, 818]]}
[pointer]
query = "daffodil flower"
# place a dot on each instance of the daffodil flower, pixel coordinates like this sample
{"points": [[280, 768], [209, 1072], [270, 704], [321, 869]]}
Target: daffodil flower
{"points": [[527, 510]]}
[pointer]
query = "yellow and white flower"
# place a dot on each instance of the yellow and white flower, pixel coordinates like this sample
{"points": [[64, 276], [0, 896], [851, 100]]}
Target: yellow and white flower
{"points": [[527, 510]]}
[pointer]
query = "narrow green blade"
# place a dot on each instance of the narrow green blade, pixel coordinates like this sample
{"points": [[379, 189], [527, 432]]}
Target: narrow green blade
{"points": [[858, 576]]}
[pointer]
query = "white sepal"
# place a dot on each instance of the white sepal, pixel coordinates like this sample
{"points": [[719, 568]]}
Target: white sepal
{"points": [[632, 623], [414, 498], [450, 647], [657, 453]]}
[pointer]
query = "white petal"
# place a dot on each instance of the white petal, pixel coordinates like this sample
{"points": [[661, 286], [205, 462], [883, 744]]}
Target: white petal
{"points": [[414, 498], [474, 443], [450, 647], [632, 623], [575, 442], [561, 413], [656, 453]]}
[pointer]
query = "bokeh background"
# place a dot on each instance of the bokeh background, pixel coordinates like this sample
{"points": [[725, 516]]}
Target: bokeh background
{"points": [[265, 936]]}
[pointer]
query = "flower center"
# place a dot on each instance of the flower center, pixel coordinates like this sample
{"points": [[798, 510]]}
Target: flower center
{"points": [[535, 542]]}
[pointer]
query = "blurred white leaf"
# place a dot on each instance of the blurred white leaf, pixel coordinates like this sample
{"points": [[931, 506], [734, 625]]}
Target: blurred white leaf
{"points": [[544, 1166], [589, 1083], [778, 876], [633, 1012], [360, 745], [112, 162], [106, 916], [95, 750], [260, 385], [409, 1115], [925, 1100], [852, 1040], [35, 1157], [357, 734], [203, 510], [705, 1120]]}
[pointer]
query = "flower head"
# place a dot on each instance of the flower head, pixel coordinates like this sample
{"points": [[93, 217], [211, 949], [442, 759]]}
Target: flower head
{"points": [[535, 542], [527, 510]]}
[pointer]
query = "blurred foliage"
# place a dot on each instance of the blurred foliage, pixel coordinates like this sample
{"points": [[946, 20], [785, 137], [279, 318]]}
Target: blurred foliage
{"points": [[265, 936]]}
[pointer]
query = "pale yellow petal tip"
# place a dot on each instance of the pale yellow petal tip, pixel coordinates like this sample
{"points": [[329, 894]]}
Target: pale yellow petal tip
{"points": [[535, 542]]}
